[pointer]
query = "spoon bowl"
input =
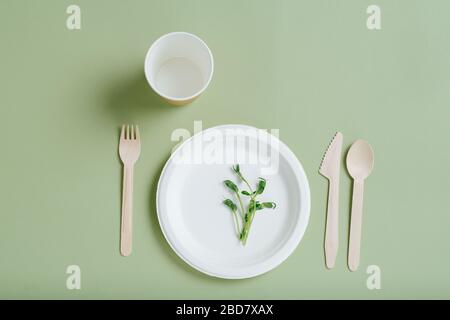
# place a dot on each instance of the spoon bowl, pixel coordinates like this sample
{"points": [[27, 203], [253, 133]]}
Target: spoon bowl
{"points": [[360, 160]]}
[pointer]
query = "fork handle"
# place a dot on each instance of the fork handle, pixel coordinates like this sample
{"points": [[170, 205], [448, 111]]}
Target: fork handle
{"points": [[126, 234], [332, 224], [354, 247]]}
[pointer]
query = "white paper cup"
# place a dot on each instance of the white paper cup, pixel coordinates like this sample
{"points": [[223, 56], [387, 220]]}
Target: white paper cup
{"points": [[179, 67]]}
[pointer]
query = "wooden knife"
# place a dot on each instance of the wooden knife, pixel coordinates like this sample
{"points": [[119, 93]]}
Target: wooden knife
{"points": [[330, 169]]}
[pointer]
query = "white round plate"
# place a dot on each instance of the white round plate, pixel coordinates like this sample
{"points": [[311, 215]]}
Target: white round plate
{"points": [[200, 229]]}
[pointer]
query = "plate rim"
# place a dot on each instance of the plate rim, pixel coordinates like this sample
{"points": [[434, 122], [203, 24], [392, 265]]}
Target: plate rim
{"points": [[291, 243]]}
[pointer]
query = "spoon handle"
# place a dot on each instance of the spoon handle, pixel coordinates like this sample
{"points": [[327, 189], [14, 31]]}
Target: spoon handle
{"points": [[332, 225], [355, 225]]}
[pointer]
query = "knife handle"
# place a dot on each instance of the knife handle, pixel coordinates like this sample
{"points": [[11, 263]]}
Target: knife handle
{"points": [[354, 247], [332, 225]]}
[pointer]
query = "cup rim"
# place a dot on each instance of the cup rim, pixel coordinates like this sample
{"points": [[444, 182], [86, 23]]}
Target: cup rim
{"points": [[153, 86]]}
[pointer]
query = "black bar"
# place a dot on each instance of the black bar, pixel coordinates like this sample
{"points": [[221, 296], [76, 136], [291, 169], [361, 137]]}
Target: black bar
{"points": [[226, 309]]}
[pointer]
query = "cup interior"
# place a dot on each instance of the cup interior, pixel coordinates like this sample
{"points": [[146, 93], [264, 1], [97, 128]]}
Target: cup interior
{"points": [[179, 66]]}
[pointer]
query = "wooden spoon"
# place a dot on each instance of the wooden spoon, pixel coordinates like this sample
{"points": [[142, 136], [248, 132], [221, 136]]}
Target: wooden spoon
{"points": [[360, 160]]}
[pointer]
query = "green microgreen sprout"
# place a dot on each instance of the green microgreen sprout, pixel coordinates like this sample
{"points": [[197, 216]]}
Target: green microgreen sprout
{"points": [[243, 216]]}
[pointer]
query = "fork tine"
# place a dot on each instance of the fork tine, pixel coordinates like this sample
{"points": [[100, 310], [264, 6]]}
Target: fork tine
{"points": [[122, 132], [132, 132], [136, 133], [128, 132]]}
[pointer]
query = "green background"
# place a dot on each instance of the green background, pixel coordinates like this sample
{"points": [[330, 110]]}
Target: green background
{"points": [[308, 68]]}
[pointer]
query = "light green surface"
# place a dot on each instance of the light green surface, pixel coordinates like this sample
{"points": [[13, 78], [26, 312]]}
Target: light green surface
{"points": [[306, 67]]}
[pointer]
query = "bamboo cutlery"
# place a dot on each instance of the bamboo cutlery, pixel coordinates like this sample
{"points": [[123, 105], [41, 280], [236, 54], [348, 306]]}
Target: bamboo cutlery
{"points": [[359, 165], [360, 161], [330, 169], [129, 151]]}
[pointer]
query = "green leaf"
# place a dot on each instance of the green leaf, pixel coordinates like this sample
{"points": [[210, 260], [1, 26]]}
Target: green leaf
{"points": [[237, 170], [269, 205], [230, 184], [230, 204], [246, 193], [261, 186]]}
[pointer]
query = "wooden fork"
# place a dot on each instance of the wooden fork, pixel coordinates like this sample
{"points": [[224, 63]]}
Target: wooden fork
{"points": [[129, 150]]}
